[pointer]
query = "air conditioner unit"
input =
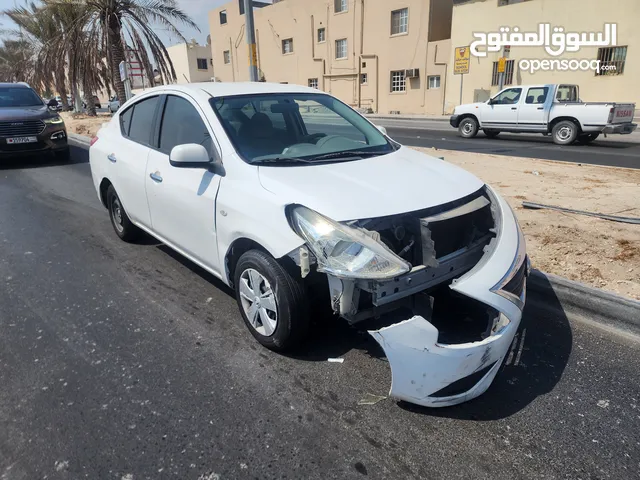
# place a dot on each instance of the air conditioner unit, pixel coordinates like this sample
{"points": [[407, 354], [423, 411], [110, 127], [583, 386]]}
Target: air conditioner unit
{"points": [[412, 73]]}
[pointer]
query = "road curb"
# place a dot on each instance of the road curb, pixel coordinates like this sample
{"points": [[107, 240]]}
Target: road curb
{"points": [[577, 299], [82, 139]]}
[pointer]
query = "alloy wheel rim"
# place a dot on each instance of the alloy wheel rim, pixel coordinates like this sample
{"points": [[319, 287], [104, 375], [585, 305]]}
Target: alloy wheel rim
{"points": [[116, 209], [258, 302]]}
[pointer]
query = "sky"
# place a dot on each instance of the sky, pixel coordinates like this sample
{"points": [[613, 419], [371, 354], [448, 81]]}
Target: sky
{"points": [[197, 9]]}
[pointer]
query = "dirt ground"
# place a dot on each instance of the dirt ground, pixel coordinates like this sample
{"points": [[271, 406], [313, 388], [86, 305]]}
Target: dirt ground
{"points": [[84, 125], [596, 252]]}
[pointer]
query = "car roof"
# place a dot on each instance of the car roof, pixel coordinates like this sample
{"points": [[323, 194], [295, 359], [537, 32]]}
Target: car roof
{"points": [[225, 89], [12, 84]]}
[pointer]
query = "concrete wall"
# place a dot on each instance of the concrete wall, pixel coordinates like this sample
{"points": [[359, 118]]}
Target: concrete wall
{"points": [[184, 58], [574, 16], [371, 49]]}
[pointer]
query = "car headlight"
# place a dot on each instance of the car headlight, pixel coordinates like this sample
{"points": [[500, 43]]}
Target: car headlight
{"points": [[57, 120], [502, 287], [344, 251]]}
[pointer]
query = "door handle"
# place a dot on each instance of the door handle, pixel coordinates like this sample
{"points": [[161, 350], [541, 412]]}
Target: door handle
{"points": [[112, 158], [156, 177], [514, 108], [540, 108]]}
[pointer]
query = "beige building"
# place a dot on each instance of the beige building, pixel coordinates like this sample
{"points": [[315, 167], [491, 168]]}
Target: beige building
{"points": [[384, 55], [574, 16], [192, 62]]}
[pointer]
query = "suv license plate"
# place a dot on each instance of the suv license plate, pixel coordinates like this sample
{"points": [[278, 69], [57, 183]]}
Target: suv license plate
{"points": [[11, 141]]}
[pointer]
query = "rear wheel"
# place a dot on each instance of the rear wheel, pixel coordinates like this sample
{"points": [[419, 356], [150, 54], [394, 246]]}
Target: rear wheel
{"points": [[126, 230], [588, 137], [272, 302], [565, 132], [468, 127], [491, 133]]}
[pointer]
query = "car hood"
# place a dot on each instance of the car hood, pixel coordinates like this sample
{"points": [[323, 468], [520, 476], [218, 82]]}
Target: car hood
{"points": [[24, 113], [469, 107], [400, 182]]}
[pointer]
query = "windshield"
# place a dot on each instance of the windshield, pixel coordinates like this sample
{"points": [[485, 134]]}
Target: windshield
{"points": [[302, 127], [19, 97]]}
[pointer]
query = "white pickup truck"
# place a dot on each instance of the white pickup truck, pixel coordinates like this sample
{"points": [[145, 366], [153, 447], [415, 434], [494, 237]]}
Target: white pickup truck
{"points": [[546, 109]]}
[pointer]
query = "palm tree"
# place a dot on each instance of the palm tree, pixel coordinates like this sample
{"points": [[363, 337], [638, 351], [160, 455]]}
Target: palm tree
{"points": [[16, 61], [120, 25]]}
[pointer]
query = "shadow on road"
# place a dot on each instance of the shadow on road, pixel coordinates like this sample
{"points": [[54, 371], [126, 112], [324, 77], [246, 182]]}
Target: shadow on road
{"points": [[45, 159]]}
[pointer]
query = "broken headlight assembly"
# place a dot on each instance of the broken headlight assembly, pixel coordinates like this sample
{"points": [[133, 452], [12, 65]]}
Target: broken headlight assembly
{"points": [[344, 251]]}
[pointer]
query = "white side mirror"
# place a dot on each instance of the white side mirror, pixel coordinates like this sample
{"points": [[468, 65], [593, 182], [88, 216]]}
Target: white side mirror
{"points": [[382, 129], [190, 155]]}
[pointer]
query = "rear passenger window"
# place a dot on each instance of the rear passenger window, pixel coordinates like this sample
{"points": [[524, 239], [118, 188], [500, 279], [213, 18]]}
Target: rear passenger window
{"points": [[125, 121], [182, 124], [537, 95], [142, 121]]}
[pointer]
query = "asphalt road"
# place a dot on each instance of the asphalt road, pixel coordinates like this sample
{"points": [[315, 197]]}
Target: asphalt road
{"points": [[123, 361], [615, 150]]}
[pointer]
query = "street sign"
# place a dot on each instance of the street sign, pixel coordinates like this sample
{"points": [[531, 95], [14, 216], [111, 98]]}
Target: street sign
{"points": [[253, 55], [462, 61], [502, 64]]}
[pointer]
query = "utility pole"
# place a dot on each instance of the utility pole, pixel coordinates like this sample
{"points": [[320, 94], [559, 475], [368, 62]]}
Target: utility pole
{"points": [[251, 40]]}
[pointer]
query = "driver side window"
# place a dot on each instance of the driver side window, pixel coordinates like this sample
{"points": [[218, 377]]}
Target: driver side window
{"points": [[508, 97], [182, 124]]}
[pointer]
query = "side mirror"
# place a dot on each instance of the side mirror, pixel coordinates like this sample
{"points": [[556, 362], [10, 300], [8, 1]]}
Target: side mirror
{"points": [[52, 103], [382, 129], [190, 155]]}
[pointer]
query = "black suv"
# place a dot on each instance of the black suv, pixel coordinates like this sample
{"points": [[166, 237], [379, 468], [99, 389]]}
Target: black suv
{"points": [[27, 125]]}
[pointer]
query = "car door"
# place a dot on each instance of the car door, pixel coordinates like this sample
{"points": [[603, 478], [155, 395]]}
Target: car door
{"points": [[502, 110], [532, 114], [182, 199], [128, 157]]}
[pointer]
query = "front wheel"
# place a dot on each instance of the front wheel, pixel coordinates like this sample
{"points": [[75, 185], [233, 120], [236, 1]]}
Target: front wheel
{"points": [[468, 127], [565, 132], [272, 302]]}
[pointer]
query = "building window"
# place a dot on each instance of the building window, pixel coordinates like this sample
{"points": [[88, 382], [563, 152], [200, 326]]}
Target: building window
{"points": [[341, 48], [313, 82], [611, 60], [508, 73], [287, 46], [202, 64], [223, 17], [400, 21], [433, 81], [364, 78], [398, 81], [322, 35], [340, 5], [226, 55]]}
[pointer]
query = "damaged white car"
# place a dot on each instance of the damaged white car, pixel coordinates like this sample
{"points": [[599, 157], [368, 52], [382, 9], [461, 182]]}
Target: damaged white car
{"points": [[292, 198]]}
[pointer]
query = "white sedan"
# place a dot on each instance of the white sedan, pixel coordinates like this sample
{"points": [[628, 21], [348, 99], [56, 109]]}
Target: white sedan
{"points": [[292, 198]]}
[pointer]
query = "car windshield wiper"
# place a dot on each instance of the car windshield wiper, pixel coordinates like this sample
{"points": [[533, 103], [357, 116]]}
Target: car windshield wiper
{"points": [[346, 154], [277, 159]]}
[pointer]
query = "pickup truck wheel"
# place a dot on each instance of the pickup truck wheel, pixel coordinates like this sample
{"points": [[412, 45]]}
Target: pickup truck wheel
{"points": [[565, 132], [491, 133], [124, 228], [272, 302], [468, 127], [588, 137]]}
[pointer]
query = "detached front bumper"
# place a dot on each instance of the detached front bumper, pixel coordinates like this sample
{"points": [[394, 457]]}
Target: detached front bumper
{"points": [[620, 128], [433, 374]]}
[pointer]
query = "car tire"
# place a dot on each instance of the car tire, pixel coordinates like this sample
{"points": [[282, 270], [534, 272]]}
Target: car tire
{"points": [[120, 221], [565, 132], [279, 296], [586, 138], [491, 133], [468, 127]]}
